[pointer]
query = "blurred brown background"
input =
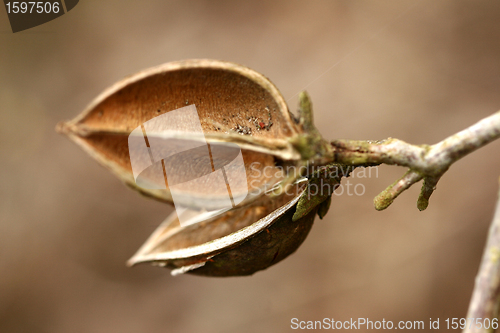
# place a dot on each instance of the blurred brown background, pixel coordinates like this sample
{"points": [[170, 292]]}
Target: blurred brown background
{"points": [[415, 70]]}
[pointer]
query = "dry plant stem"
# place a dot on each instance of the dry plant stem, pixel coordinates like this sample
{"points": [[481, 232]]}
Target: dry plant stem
{"points": [[486, 295], [424, 162]]}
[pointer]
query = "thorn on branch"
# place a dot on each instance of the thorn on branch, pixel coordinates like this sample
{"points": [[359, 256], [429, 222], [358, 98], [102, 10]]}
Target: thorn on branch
{"points": [[387, 196], [428, 188]]}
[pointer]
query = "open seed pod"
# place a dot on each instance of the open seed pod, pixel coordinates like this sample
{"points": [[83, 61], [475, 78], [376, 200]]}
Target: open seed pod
{"points": [[235, 104], [240, 115], [239, 242], [246, 239]]}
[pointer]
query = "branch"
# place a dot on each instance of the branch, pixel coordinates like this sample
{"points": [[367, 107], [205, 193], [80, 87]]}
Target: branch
{"points": [[424, 162], [486, 295]]}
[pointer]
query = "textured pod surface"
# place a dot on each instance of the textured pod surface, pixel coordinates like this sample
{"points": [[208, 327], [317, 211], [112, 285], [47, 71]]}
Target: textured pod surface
{"points": [[235, 104], [236, 107], [263, 250], [246, 239], [260, 234]]}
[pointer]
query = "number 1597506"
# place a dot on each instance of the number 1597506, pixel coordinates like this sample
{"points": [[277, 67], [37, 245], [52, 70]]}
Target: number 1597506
{"points": [[455, 323], [32, 7]]}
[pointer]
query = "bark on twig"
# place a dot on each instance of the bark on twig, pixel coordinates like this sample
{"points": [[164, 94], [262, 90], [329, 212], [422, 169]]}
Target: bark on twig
{"points": [[424, 162], [486, 295]]}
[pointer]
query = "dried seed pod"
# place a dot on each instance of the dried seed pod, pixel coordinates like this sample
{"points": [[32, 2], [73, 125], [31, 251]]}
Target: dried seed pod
{"points": [[236, 106], [240, 242], [226, 96], [246, 239]]}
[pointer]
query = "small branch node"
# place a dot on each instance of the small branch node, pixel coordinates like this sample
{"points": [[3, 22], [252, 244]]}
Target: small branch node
{"points": [[424, 161]]}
